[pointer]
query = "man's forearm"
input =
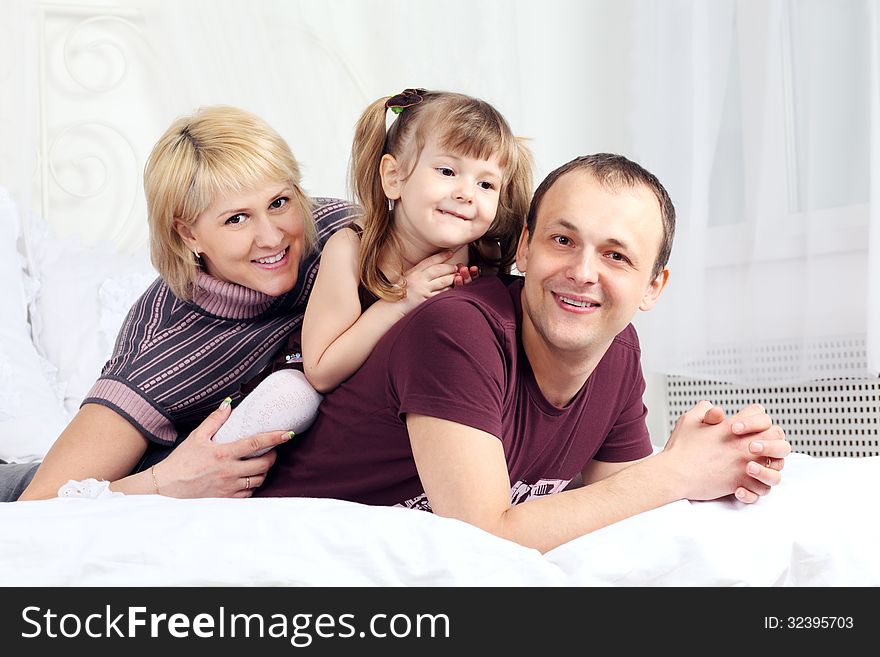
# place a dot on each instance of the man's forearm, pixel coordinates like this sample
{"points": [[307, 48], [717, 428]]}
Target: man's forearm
{"points": [[548, 522]]}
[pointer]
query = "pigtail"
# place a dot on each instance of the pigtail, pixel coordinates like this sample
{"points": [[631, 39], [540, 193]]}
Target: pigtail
{"points": [[366, 154], [497, 249]]}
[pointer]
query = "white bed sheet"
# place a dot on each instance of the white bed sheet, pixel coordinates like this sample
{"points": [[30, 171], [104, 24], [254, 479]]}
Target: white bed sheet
{"points": [[819, 528]]}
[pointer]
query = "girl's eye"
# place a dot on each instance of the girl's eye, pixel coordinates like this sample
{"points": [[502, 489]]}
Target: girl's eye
{"points": [[236, 219], [279, 202], [487, 185], [445, 171]]}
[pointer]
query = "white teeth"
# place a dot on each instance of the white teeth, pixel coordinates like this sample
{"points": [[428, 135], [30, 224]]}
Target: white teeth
{"points": [[575, 302], [271, 259], [453, 214]]}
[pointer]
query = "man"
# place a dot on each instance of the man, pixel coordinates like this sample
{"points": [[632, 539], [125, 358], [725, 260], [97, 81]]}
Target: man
{"points": [[484, 403]]}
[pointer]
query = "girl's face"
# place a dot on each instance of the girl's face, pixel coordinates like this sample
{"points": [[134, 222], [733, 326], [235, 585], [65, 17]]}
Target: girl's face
{"points": [[253, 238], [448, 201]]}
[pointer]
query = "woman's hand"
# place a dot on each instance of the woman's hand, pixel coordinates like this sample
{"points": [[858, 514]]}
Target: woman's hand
{"points": [[199, 467]]}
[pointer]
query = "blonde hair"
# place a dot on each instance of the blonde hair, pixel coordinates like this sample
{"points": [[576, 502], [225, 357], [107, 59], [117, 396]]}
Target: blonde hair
{"points": [[215, 150], [467, 126]]}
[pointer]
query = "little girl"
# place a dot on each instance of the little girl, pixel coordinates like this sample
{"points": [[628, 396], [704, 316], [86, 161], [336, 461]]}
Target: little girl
{"points": [[444, 191]]}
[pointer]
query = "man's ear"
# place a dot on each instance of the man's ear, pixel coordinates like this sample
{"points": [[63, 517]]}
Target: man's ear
{"points": [[186, 235], [391, 175], [522, 251], [654, 290]]}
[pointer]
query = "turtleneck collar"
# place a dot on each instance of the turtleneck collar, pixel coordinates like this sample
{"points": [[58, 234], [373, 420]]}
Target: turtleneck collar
{"points": [[229, 300]]}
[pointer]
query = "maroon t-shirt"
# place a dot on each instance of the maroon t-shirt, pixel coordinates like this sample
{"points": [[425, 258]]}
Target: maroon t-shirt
{"points": [[458, 357]]}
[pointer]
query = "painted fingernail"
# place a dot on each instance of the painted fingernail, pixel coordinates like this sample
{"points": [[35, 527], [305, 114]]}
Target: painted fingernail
{"points": [[738, 427], [226, 403], [753, 468], [288, 435], [756, 447]]}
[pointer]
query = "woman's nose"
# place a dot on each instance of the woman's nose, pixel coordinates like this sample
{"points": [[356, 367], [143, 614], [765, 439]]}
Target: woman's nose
{"points": [[268, 232]]}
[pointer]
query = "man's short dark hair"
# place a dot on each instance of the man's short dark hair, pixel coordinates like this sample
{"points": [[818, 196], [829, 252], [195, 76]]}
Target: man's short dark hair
{"points": [[614, 172]]}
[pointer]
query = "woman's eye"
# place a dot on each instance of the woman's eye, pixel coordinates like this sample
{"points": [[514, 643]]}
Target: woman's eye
{"points": [[236, 219], [445, 171], [279, 202]]}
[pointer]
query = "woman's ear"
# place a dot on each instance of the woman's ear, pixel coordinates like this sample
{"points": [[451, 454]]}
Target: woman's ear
{"points": [[186, 234], [392, 176]]}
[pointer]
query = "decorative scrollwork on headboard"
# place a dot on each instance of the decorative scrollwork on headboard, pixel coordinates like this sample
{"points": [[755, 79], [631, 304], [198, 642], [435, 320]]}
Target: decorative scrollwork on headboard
{"points": [[96, 69], [88, 158], [101, 48]]}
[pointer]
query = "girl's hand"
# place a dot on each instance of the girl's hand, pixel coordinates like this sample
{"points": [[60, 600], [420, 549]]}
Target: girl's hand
{"points": [[428, 278], [465, 275]]}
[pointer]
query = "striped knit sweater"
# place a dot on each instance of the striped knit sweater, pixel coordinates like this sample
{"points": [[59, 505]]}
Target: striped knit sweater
{"points": [[174, 361]]}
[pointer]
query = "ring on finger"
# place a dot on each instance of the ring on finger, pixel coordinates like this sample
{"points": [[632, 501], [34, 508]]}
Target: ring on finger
{"points": [[769, 462], [247, 480]]}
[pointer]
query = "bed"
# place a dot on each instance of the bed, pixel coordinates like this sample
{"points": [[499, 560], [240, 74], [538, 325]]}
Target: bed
{"points": [[817, 529], [66, 302]]}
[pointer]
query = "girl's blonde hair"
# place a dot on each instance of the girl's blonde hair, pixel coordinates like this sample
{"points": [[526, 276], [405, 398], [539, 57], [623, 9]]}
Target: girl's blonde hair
{"points": [[211, 152], [468, 127]]}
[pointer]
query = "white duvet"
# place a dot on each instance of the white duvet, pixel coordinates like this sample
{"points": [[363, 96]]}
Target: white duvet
{"points": [[819, 528]]}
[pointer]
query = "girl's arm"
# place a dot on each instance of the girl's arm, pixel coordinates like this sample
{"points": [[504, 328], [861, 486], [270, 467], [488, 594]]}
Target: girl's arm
{"points": [[336, 337]]}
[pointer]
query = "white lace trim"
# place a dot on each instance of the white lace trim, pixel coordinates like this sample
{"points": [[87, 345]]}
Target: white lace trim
{"points": [[90, 489]]}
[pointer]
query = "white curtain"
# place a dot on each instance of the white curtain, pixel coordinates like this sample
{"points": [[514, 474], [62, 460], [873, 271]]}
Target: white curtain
{"points": [[762, 119]]}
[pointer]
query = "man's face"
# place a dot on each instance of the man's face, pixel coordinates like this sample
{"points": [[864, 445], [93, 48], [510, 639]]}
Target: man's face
{"points": [[588, 265]]}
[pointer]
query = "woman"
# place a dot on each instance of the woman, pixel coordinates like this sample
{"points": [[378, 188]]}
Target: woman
{"points": [[235, 241]]}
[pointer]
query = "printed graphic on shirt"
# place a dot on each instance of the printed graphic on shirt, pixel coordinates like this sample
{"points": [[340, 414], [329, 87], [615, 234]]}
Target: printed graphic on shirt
{"points": [[519, 493]]}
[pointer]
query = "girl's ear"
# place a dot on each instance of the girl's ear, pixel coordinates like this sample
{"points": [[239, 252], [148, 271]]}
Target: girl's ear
{"points": [[392, 176]]}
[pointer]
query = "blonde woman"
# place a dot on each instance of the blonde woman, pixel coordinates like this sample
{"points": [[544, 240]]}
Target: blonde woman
{"points": [[236, 242]]}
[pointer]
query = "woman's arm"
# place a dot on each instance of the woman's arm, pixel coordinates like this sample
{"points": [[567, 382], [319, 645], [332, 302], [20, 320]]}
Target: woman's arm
{"points": [[97, 443], [336, 337], [101, 444]]}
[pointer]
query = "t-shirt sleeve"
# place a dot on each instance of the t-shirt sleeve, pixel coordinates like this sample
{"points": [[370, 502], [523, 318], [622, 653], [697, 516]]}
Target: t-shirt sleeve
{"points": [[450, 364], [628, 439]]}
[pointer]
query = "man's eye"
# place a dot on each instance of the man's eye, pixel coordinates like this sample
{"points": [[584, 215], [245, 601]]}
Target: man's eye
{"points": [[562, 240], [617, 257]]}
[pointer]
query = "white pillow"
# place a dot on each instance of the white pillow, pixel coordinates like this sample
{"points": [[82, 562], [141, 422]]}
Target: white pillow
{"points": [[31, 416], [115, 298], [73, 328]]}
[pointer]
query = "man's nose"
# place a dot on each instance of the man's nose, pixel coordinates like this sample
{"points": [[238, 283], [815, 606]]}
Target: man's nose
{"points": [[584, 267]]}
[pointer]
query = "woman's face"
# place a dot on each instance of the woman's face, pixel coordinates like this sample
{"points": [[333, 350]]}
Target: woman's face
{"points": [[253, 238]]}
